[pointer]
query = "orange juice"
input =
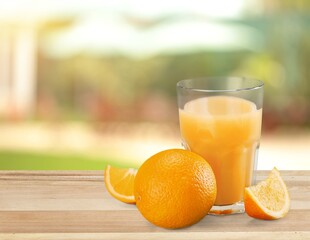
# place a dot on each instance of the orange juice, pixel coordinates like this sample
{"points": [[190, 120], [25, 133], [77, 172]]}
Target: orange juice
{"points": [[225, 131]]}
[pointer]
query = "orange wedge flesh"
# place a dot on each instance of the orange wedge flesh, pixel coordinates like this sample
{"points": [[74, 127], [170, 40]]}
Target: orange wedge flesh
{"points": [[120, 183], [268, 199]]}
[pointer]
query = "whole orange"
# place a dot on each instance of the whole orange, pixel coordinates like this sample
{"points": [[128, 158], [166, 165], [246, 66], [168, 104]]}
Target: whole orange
{"points": [[175, 188]]}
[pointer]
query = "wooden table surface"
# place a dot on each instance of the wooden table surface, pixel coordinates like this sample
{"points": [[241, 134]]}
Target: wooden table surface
{"points": [[76, 205]]}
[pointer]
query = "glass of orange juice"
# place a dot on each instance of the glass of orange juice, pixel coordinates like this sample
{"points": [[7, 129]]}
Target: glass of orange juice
{"points": [[220, 119]]}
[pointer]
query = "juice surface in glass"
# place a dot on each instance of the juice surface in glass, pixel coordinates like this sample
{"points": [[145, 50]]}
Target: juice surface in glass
{"points": [[225, 131]]}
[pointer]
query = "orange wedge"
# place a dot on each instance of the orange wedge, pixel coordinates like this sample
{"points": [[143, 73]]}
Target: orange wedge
{"points": [[268, 199], [120, 183]]}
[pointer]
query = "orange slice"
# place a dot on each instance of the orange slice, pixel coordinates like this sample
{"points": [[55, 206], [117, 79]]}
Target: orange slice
{"points": [[268, 199], [120, 183]]}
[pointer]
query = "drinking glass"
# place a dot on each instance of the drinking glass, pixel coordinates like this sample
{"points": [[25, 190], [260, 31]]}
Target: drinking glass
{"points": [[220, 119]]}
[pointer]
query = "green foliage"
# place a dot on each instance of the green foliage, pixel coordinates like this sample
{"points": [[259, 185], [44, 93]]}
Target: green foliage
{"points": [[25, 160], [101, 87]]}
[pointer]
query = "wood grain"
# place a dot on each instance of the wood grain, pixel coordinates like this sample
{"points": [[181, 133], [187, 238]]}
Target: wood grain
{"points": [[173, 235], [76, 205]]}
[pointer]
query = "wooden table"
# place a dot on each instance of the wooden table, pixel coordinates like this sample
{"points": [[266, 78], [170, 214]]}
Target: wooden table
{"points": [[76, 205]]}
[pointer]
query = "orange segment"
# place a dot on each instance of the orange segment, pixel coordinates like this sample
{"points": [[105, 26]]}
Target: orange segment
{"points": [[120, 183], [268, 199]]}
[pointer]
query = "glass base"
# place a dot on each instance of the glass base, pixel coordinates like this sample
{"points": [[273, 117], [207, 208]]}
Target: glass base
{"points": [[227, 209]]}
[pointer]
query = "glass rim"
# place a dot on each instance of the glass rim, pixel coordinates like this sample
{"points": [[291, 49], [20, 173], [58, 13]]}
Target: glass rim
{"points": [[257, 84]]}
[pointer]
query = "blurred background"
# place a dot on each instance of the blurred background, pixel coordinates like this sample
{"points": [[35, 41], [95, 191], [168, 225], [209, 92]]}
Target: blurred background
{"points": [[89, 83]]}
